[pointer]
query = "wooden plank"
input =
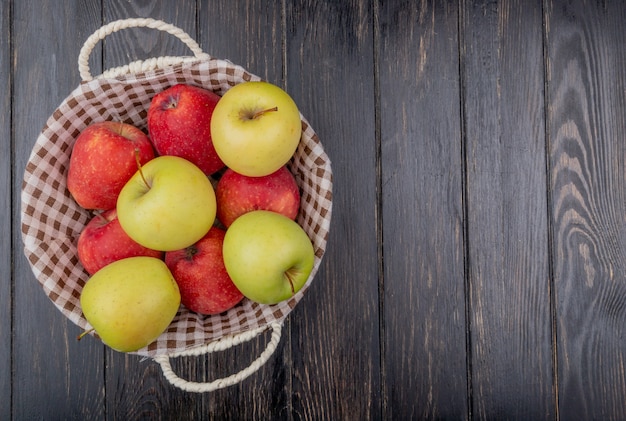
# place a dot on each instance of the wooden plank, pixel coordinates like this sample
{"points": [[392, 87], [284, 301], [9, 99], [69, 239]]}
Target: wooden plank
{"points": [[587, 122], [136, 388], [422, 185], [508, 255], [251, 36], [335, 335], [54, 376], [128, 45], [6, 208]]}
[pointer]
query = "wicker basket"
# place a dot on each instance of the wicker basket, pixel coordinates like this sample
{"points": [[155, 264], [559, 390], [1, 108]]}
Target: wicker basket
{"points": [[52, 220]]}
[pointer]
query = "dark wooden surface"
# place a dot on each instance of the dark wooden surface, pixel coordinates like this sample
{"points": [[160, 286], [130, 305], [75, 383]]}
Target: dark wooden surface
{"points": [[476, 263]]}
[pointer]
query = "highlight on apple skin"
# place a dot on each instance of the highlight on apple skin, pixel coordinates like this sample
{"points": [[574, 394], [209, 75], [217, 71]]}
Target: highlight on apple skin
{"points": [[103, 241], [130, 302], [199, 271], [168, 204], [256, 128], [104, 157], [237, 194], [268, 256], [179, 123]]}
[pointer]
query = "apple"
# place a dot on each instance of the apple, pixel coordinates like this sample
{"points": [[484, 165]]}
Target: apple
{"points": [[104, 157], [268, 256], [130, 302], [256, 128], [179, 124], [199, 270], [168, 204], [237, 194], [103, 241]]}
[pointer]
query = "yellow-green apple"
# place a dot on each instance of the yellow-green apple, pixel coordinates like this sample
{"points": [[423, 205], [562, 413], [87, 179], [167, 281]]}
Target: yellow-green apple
{"points": [[130, 302], [103, 241], [179, 124], [104, 157], [199, 270], [237, 194], [256, 128], [268, 256], [168, 204]]}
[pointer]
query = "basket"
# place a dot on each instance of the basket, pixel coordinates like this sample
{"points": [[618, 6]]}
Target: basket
{"points": [[52, 220]]}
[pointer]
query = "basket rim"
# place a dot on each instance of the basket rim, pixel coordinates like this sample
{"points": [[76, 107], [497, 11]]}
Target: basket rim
{"points": [[37, 179]]}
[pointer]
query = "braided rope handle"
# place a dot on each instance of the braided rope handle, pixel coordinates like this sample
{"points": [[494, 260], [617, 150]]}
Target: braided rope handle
{"points": [[151, 64], [139, 65], [220, 345]]}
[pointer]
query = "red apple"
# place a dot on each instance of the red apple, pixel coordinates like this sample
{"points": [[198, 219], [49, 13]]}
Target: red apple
{"points": [[103, 158], [199, 270], [179, 124], [237, 194], [103, 241]]}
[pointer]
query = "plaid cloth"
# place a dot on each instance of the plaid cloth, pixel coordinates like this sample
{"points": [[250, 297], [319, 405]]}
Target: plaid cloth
{"points": [[52, 220]]}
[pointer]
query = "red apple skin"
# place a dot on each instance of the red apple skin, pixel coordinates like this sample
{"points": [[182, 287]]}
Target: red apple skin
{"points": [[179, 123], [237, 194], [103, 241], [103, 159], [205, 286]]}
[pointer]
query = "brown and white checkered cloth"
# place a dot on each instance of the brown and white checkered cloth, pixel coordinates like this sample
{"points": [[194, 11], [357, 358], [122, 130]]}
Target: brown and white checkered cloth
{"points": [[52, 220]]}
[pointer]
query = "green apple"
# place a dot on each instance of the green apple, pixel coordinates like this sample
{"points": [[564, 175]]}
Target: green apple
{"points": [[130, 302], [268, 256], [169, 204], [255, 128]]}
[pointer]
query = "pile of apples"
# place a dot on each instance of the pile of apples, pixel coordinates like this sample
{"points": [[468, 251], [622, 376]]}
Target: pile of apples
{"points": [[200, 210]]}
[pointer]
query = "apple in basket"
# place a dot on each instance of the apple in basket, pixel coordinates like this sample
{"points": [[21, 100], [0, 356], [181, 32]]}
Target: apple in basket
{"points": [[130, 302], [103, 241], [179, 124], [104, 157], [256, 128], [168, 204], [199, 270], [268, 256], [237, 194]]}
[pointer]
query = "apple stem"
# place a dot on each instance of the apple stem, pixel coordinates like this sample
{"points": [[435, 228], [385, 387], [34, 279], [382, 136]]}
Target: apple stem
{"points": [[260, 113], [139, 167], [86, 332], [288, 276], [190, 252], [102, 218]]}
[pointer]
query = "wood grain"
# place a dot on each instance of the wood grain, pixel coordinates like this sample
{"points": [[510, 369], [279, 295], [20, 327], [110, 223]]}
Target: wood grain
{"points": [[335, 336], [6, 211], [424, 322], [475, 267], [587, 115], [250, 35], [507, 214], [134, 384], [256, 27], [54, 376], [132, 44], [136, 388]]}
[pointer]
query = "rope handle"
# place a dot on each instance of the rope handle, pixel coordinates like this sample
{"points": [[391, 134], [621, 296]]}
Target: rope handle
{"points": [[220, 345], [139, 65]]}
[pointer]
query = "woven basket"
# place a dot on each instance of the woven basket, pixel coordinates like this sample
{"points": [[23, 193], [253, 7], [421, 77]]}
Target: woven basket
{"points": [[52, 220]]}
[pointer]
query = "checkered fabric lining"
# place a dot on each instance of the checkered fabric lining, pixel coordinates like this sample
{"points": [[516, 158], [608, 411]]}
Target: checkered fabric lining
{"points": [[52, 220]]}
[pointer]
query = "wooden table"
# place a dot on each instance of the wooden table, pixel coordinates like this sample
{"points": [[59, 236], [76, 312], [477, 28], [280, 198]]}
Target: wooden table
{"points": [[476, 263]]}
